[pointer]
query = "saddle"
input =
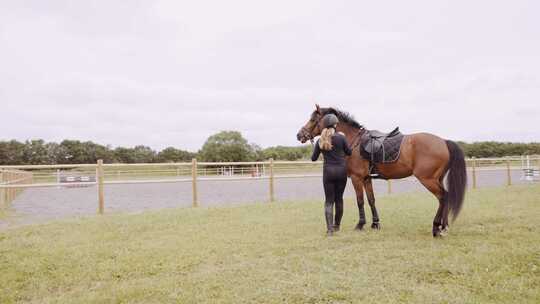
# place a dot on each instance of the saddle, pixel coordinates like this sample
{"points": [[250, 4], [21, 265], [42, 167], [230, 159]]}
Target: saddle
{"points": [[380, 148]]}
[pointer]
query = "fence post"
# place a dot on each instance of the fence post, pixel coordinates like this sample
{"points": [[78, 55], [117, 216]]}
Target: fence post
{"points": [[389, 186], [3, 203], [21, 181], [474, 172], [101, 198], [7, 190], [9, 178], [271, 179], [16, 179], [194, 181], [508, 173], [14, 190], [18, 190], [14, 182], [538, 166]]}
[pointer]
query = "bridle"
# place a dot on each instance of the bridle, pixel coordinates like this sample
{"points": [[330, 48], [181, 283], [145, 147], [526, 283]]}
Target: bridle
{"points": [[308, 132], [355, 142]]}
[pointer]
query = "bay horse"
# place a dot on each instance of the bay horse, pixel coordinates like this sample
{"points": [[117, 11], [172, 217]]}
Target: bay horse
{"points": [[426, 156]]}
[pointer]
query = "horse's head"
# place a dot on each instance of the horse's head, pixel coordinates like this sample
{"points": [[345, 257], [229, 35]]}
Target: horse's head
{"points": [[312, 128]]}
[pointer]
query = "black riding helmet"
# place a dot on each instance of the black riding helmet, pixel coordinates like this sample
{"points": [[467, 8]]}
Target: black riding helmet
{"points": [[329, 120]]}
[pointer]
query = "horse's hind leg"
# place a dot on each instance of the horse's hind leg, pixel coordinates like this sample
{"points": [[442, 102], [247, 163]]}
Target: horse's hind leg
{"points": [[371, 200], [359, 189], [440, 222], [437, 229], [445, 211]]}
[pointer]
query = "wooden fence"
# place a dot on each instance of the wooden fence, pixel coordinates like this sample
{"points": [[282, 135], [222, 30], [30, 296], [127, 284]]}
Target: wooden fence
{"points": [[14, 179]]}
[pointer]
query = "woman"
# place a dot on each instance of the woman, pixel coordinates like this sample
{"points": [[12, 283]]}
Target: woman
{"points": [[334, 147]]}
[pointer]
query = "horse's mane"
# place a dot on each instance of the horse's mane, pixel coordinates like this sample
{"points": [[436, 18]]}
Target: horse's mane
{"points": [[344, 117]]}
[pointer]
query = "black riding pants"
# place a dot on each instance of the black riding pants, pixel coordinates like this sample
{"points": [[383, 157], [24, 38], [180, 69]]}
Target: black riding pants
{"points": [[334, 181]]}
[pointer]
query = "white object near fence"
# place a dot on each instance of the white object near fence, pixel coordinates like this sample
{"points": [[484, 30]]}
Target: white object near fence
{"points": [[528, 172]]}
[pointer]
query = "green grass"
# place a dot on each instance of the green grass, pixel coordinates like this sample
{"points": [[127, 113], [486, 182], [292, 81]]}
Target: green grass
{"points": [[278, 253], [3, 212]]}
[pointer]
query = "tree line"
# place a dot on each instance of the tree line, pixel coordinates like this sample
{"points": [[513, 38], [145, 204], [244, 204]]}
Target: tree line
{"points": [[39, 152], [223, 146], [499, 149], [228, 146]]}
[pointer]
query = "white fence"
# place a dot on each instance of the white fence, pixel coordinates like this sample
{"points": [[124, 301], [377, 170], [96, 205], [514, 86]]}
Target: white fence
{"points": [[12, 183], [85, 175]]}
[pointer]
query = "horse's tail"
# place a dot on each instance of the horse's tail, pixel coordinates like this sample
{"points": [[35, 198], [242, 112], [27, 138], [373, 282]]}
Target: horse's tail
{"points": [[456, 179]]}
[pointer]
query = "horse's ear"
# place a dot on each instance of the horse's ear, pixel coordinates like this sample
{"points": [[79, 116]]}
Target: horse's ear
{"points": [[317, 108]]}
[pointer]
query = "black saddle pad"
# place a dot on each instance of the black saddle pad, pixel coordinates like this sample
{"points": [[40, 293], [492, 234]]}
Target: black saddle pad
{"points": [[381, 150]]}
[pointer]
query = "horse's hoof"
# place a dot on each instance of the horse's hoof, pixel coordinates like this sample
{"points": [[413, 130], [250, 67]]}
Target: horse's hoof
{"points": [[445, 231], [439, 232], [336, 228], [330, 233], [359, 227], [376, 226]]}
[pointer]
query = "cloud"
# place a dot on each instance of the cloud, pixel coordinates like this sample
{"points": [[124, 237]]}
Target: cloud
{"points": [[165, 73]]}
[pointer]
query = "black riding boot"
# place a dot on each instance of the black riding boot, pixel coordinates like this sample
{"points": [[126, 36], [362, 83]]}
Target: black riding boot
{"points": [[339, 215], [329, 216]]}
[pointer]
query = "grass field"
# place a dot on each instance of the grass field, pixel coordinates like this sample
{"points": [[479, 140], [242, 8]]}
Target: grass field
{"points": [[278, 253], [3, 213]]}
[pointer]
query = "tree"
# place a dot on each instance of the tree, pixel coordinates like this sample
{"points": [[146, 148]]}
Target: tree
{"points": [[173, 155], [223, 146], [227, 146], [35, 152], [96, 151], [124, 155], [287, 153], [54, 153], [11, 153], [74, 152], [144, 154], [139, 154], [257, 152]]}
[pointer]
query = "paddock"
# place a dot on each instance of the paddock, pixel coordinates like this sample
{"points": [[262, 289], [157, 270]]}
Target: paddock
{"points": [[209, 236], [278, 253]]}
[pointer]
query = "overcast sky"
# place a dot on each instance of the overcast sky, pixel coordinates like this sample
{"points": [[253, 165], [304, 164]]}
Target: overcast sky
{"points": [[171, 73]]}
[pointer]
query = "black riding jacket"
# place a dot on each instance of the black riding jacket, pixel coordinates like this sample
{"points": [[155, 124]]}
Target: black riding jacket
{"points": [[336, 156]]}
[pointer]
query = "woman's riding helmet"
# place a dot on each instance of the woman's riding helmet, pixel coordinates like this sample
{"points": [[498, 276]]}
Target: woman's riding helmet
{"points": [[329, 120]]}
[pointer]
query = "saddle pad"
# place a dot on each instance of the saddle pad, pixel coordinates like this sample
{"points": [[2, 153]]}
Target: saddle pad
{"points": [[388, 153]]}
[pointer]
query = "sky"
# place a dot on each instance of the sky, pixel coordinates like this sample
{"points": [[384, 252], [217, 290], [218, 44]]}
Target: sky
{"points": [[172, 73]]}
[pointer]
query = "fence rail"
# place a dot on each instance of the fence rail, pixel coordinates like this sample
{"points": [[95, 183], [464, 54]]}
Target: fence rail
{"points": [[14, 179], [12, 183]]}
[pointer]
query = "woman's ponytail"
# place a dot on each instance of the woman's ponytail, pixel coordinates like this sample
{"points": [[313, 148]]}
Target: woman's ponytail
{"points": [[325, 143]]}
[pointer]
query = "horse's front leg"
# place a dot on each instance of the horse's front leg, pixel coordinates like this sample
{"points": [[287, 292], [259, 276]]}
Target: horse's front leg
{"points": [[371, 200], [359, 189]]}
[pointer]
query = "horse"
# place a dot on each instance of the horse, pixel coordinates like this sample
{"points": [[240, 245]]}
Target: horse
{"points": [[426, 156]]}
